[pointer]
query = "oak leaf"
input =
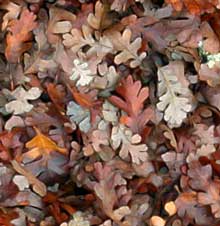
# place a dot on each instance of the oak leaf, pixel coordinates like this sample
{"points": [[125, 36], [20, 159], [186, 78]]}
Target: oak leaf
{"points": [[41, 146], [7, 217], [187, 207], [105, 188], [81, 73], [57, 96], [88, 100], [210, 74], [78, 219], [42, 60], [129, 144], [107, 79], [38, 186], [121, 5], [55, 25], [20, 103], [17, 40], [126, 48], [201, 179], [175, 98], [77, 39], [133, 104], [99, 20], [110, 112], [79, 115]]}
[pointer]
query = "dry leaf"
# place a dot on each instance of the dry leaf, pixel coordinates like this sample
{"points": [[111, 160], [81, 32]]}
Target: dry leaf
{"points": [[13, 12], [129, 144], [174, 95], [21, 105], [41, 146], [99, 19], [128, 49], [79, 116], [81, 73], [38, 186], [133, 103], [17, 40]]}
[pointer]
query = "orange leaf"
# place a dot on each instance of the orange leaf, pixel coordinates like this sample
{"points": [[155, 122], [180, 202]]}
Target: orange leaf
{"points": [[19, 35], [194, 6], [82, 99], [41, 145], [7, 217]]}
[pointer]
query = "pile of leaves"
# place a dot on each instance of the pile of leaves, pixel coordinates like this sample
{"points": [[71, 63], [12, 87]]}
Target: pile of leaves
{"points": [[110, 112]]}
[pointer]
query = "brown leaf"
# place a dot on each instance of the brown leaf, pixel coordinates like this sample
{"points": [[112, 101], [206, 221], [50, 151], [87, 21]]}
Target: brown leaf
{"points": [[57, 96], [99, 19], [17, 40], [57, 15], [38, 186]]}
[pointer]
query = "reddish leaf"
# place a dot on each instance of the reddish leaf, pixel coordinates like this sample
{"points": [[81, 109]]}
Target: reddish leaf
{"points": [[17, 40], [133, 104], [56, 96], [7, 217], [194, 6]]}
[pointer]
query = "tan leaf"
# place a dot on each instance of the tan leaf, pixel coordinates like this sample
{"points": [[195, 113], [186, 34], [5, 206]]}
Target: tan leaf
{"points": [[99, 19], [175, 98], [129, 144], [38, 186], [157, 221], [127, 49], [58, 15], [170, 207]]}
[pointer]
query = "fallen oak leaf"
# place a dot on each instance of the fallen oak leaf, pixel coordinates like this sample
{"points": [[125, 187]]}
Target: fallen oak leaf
{"points": [[41, 146], [129, 144], [81, 73], [126, 48], [88, 100], [19, 35], [14, 121], [57, 207], [21, 182], [57, 96], [20, 105], [99, 19], [58, 15], [38, 186], [175, 98], [132, 103], [79, 116]]}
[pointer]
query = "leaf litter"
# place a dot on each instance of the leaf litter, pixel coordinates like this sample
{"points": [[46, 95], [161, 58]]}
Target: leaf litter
{"points": [[109, 113]]}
